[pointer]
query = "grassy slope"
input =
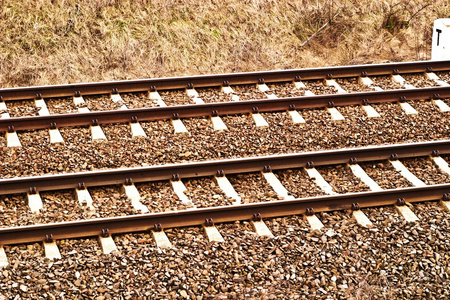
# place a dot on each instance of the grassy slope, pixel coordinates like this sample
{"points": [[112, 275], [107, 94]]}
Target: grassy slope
{"points": [[51, 42]]}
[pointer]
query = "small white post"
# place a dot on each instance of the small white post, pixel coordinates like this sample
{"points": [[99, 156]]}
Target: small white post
{"points": [[440, 49]]}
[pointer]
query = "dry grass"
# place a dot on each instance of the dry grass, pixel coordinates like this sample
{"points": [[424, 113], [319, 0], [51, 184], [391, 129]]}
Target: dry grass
{"points": [[63, 41]]}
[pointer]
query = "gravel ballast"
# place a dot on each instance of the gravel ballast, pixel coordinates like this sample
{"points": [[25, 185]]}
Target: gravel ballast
{"points": [[392, 260]]}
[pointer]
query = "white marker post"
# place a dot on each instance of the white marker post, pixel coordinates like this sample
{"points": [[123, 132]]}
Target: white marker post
{"points": [[440, 49]]}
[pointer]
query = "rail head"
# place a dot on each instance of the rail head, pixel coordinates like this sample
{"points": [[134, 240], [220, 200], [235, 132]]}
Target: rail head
{"points": [[220, 108], [141, 85], [226, 166], [223, 214]]}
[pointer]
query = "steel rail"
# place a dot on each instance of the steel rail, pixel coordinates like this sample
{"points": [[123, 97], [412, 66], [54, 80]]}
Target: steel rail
{"points": [[220, 108], [197, 217], [66, 90], [228, 166]]}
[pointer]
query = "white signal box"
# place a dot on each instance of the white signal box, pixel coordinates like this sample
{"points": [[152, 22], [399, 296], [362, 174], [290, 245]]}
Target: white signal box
{"points": [[440, 49]]}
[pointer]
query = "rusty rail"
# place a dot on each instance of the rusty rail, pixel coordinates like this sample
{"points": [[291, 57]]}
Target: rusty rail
{"points": [[221, 108], [196, 217], [228, 166], [141, 85]]}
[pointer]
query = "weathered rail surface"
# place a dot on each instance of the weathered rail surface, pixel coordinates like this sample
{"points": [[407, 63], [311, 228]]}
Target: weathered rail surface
{"points": [[219, 109], [197, 217], [226, 166], [219, 79]]}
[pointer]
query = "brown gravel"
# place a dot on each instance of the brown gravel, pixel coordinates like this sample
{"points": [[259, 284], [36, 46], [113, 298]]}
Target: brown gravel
{"points": [[15, 211], [395, 260], [159, 196], [385, 83], [61, 105], [419, 80], [385, 175], [101, 102], [205, 192], [446, 157], [137, 100], [110, 201], [285, 89], [315, 116], [318, 87], [426, 170], [3, 147], [117, 133], [209, 95], [447, 101], [352, 85], [252, 187], [22, 108], [62, 206], [298, 183], [248, 92], [443, 76], [175, 97], [427, 107], [342, 179]]}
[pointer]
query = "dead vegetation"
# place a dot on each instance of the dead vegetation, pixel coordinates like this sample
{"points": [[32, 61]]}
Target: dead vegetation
{"points": [[63, 41]]}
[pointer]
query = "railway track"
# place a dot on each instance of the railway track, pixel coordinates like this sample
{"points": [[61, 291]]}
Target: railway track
{"points": [[70, 90], [216, 109], [243, 166], [220, 109], [238, 125], [236, 211]]}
